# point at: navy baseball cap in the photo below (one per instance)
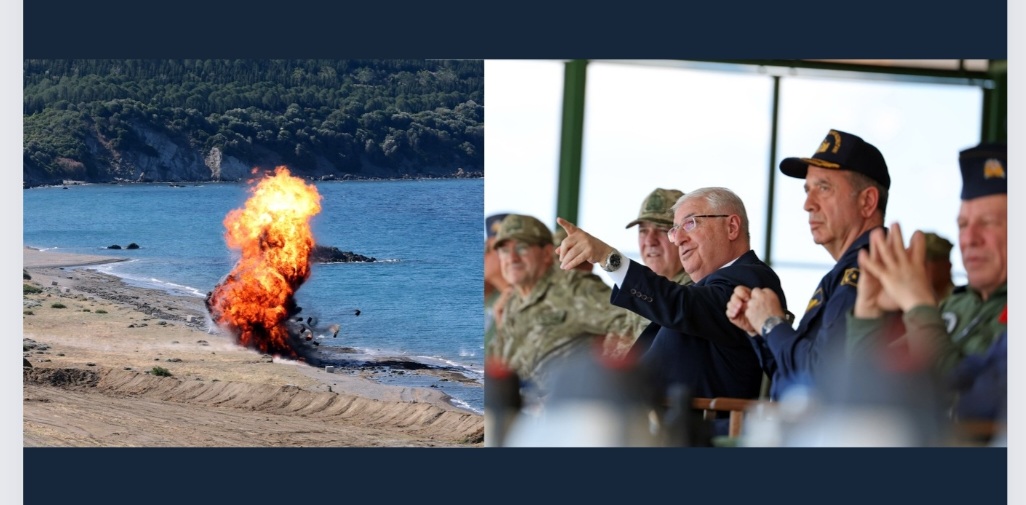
(842, 151)
(984, 170)
(492, 224)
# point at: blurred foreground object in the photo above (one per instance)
(502, 401)
(593, 402)
(861, 403)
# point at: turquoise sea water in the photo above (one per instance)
(421, 300)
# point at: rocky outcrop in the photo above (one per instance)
(167, 159)
(331, 254)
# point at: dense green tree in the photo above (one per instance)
(397, 114)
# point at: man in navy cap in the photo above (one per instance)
(970, 315)
(966, 337)
(495, 284)
(846, 185)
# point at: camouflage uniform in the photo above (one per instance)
(489, 305)
(656, 208)
(562, 312)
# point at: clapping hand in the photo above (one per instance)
(892, 276)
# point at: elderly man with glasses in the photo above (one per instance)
(695, 344)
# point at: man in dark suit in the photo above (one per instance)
(694, 343)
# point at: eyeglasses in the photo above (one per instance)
(508, 248)
(688, 224)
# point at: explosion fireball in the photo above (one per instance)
(272, 232)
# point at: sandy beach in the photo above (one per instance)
(93, 343)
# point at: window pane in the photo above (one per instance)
(523, 117)
(919, 128)
(658, 126)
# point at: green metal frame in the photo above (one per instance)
(995, 104)
(572, 139)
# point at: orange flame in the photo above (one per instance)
(272, 231)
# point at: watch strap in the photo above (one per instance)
(612, 261)
(770, 323)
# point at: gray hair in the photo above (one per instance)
(860, 182)
(721, 200)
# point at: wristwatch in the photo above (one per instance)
(770, 323)
(612, 261)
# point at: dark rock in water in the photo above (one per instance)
(115, 246)
(331, 254)
(133, 245)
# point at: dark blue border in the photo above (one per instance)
(744, 29)
(527, 29)
(791, 476)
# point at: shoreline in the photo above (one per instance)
(344, 178)
(116, 333)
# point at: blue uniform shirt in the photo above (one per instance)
(791, 356)
(982, 381)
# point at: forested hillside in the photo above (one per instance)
(192, 120)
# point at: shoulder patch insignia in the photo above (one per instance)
(817, 298)
(950, 320)
(850, 277)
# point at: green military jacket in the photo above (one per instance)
(963, 325)
(971, 322)
(565, 308)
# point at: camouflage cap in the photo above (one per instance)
(657, 207)
(523, 228)
(937, 247)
